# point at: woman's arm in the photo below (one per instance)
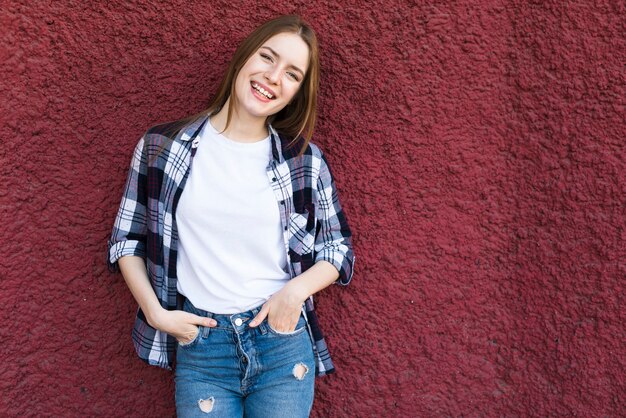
(180, 324)
(321, 275)
(286, 304)
(126, 250)
(334, 259)
(133, 270)
(129, 230)
(333, 242)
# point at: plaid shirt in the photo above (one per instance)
(314, 226)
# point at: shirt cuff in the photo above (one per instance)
(120, 249)
(342, 263)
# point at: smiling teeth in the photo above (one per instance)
(262, 91)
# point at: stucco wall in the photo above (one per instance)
(478, 149)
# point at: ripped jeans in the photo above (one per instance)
(232, 370)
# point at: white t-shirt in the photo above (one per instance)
(231, 254)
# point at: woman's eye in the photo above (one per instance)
(293, 76)
(265, 56)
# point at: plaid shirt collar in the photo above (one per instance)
(192, 130)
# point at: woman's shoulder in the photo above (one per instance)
(160, 139)
(299, 148)
(163, 132)
(162, 129)
(170, 131)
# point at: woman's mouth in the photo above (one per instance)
(261, 92)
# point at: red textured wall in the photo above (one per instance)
(478, 148)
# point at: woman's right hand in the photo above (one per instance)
(181, 325)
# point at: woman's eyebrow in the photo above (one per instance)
(278, 56)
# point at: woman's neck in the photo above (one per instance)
(242, 128)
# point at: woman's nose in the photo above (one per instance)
(273, 75)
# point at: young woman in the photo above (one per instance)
(229, 223)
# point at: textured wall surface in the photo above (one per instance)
(479, 152)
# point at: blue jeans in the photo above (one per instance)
(232, 370)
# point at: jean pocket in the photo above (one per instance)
(192, 342)
(300, 328)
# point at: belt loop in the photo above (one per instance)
(206, 330)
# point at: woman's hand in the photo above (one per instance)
(181, 325)
(282, 309)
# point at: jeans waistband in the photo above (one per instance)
(222, 319)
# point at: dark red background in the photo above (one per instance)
(478, 148)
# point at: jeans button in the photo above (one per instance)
(238, 322)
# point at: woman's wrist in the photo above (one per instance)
(321, 275)
(155, 316)
(298, 289)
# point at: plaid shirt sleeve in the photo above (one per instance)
(333, 242)
(129, 230)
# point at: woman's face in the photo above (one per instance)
(272, 75)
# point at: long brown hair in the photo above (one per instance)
(295, 120)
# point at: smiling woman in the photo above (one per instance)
(270, 78)
(223, 259)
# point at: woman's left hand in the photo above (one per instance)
(282, 309)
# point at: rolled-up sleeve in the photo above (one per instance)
(333, 241)
(129, 231)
